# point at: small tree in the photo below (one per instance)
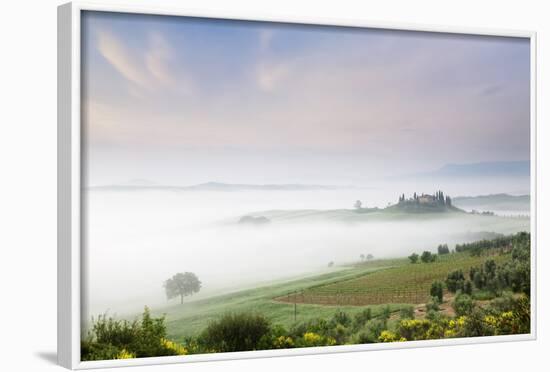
(182, 285)
(443, 249)
(455, 281)
(369, 257)
(463, 304)
(331, 263)
(357, 204)
(468, 287)
(414, 258)
(427, 257)
(437, 290)
(362, 256)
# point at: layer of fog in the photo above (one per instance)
(134, 240)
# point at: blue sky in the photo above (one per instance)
(181, 100)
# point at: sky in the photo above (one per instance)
(180, 101)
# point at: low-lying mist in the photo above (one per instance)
(135, 240)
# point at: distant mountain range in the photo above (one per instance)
(484, 169)
(495, 202)
(219, 186)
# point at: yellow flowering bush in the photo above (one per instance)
(455, 327)
(124, 354)
(314, 339)
(504, 323)
(389, 336)
(178, 349)
(415, 329)
(283, 342)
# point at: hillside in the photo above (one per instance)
(495, 203)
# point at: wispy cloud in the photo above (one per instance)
(278, 89)
(121, 58)
(271, 75)
(150, 69)
(265, 37)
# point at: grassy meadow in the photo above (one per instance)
(395, 282)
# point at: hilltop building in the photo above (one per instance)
(438, 198)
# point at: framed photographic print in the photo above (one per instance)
(234, 186)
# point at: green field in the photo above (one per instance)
(386, 281)
(192, 317)
(405, 283)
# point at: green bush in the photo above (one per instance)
(436, 290)
(428, 257)
(386, 312)
(342, 318)
(414, 258)
(235, 332)
(362, 317)
(455, 281)
(110, 338)
(370, 332)
(468, 287)
(433, 304)
(406, 312)
(463, 304)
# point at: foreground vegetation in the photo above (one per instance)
(484, 292)
(402, 284)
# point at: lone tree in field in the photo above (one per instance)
(369, 257)
(357, 204)
(182, 285)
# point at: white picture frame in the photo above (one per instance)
(69, 183)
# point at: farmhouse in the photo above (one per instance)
(426, 199)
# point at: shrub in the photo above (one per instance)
(341, 317)
(463, 304)
(468, 287)
(414, 258)
(362, 318)
(339, 334)
(313, 339)
(475, 325)
(509, 315)
(110, 338)
(235, 332)
(389, 336)
(414, 329)
(386, 312)
(433, 304)
(406, 312)
(455, 281)
(427, 257)
(283, 342)
(433, 315)
(319, 325)
(437, 291)
(370, 332)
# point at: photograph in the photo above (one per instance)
(251, 185)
